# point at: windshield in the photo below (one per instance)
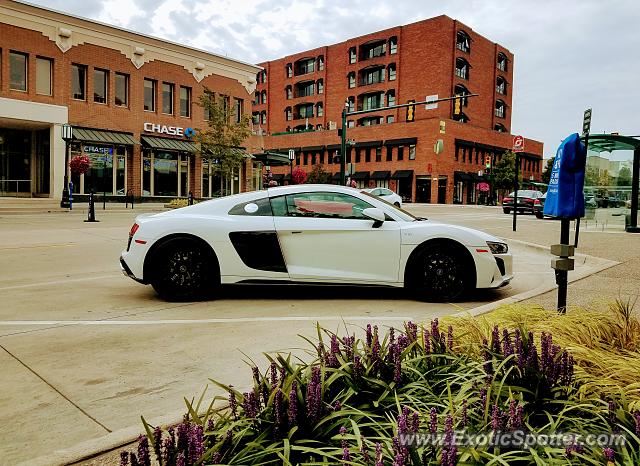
(525, 193)
(403, 214)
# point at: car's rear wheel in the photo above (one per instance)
(506, 211)
(441, 272)
(183, 269)
(539, 214)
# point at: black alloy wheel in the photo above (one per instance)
(442, 273)
(184, 270)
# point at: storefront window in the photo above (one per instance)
(120, 170)
(165, 174)
(214, 185)
(146, 174)
(99, 178)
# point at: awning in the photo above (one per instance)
(103, 137)
(311, 148)
(360, 176)
(369, 144)
(611, 142)
(169, 144)
(381, 175)
(402, 174)
(461, 176)
(400, 142)
(272, 158)
(333, 147)
(476, 177)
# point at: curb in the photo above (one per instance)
(117, 439)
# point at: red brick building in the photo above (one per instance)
(131, 100)
(440, 155)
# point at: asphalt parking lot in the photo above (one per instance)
(85, 351)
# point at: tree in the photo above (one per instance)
(548, 168)
(224, 134)
(624, 177)
(504, 171)
(299, 176)
(318, 175)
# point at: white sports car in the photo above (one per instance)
(312, 234)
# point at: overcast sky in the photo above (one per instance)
(569, 54)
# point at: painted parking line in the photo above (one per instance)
(59, 282)
(33, 246)
(16, 323)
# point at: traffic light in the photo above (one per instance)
(457, 106)
(411, 111)
(487, 161)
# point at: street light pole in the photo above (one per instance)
(343, 144)
(67, 135)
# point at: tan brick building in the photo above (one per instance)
(438, 157)
(131, 100)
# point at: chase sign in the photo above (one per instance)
(169, 130)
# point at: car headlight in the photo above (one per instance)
(498, 248)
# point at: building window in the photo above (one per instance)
(305, 89)
(459, 89)
(412, 152)
(319, 110)
(305, 66)
(185, 101)
(372, 101)
(372, 76)
(373, 50)
(256, 118)
(225, 105)
(370, 121)
(352, 55)
(500, 128)
(351, 124)
(18, 71)
(392, 71)
(100, 85)
(501, 85)
(238, 104)
(149, 95)
(122, 89)
(263, 118)
(462, 68)
(256, 98)
(393, 45)
(352, 80)
(320, 86)
(391, 119)
(289, 92)
(391, 98)
(400, 153)
(209, 97)
(288, 114)
(304, 111)
(502, 61)
(463, 41)
(320, 63)
(500, 108)
(378, 154)
(351, 104)
(389, 153)
(78, 82)
(263, 96)
(289, 70)
(461, 117)
(167, 98)
(44, 66)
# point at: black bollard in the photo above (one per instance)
(92, 210)
(190, 198)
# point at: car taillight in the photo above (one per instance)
(132, 232)
(536, 202)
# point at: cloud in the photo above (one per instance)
(569, 55)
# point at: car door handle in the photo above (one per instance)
(296, 232)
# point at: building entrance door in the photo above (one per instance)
(423, 189)
(42, 162)
(442, 190)
(15, 162)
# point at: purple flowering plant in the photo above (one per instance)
(353, 400)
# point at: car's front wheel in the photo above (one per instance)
(539, 214)
(183, 270)
(441, 272)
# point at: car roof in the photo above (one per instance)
(305, 188)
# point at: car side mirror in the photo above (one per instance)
(374, 214)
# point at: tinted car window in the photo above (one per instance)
(264, 208)
(325, 205)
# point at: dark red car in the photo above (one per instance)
(526, 200)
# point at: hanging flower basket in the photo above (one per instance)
(484, 187)
(80, 164)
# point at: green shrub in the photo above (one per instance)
(356, 398)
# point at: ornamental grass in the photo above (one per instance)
(352, 401)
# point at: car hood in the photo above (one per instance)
(417, 232)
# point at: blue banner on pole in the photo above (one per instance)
(565, 197)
